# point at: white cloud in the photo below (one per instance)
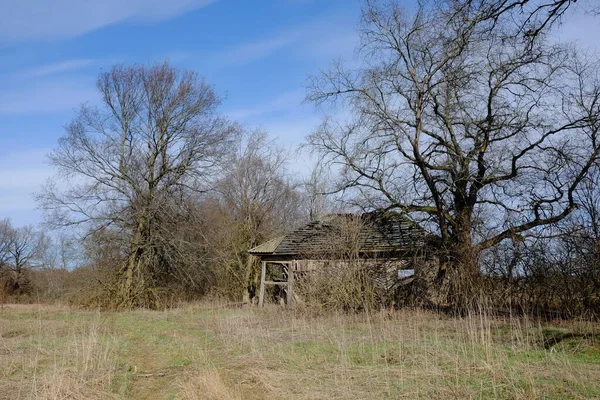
(55, 68)
(24, 168)
(339, 44)
(581, 28)
(25, 20)
(22, 174)
(287, 101)
(46, 96)
(331, 36)
(292, 130)
(255, 50)
(284, 118)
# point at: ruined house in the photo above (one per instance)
(394, 250)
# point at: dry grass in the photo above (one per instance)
(208, 351)
(207, 385)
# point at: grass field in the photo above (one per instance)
(207, 351)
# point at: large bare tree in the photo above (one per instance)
(126, 165)
(462, 125)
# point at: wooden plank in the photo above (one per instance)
(276, 283)
(263, 273)
(290, 284)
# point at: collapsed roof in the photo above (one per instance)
(376, 232)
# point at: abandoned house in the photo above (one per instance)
(391, 248)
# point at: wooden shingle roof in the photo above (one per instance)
(367, 233)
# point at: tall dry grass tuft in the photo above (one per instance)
(60, 360)
(207, 385)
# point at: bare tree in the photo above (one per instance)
(261, 200)
(316, 190)
(21, 249)
(256, 188)
(532, 18)
(26, 249)
(64, 253)
(580, 239)
(460, 125)
(126, 165)
(5, 233)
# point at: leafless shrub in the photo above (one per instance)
(337, 277)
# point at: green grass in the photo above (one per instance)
(207, 351)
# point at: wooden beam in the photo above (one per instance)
(290, 284)
(261, 295)
(276, 283)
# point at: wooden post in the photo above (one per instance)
(263, 274)
(290, 284)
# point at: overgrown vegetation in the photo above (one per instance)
(460, 115)
(211, 351)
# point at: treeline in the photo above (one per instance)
(160, 196)
(556, 271)
(461, 115)
(197, 241)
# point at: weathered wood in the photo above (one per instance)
(290, 284)
(380, 234)
(282, 283)
(263, 274)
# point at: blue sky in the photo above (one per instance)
(258, 55)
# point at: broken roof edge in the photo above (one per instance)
(267, 247)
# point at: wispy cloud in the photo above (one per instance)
(292, 130)
(255, 50)
(23, 169)
(582, 28)
(26, 20)
(284, 102)
(284, 117)
(54, 68)
(46, 96)
(330, 36)
(336, 45)
(21, 174)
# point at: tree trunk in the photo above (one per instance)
(131, 285)
(458, 278)
(250, 289)
(132, 290)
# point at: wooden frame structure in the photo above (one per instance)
(289, 270)
(382, 238)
